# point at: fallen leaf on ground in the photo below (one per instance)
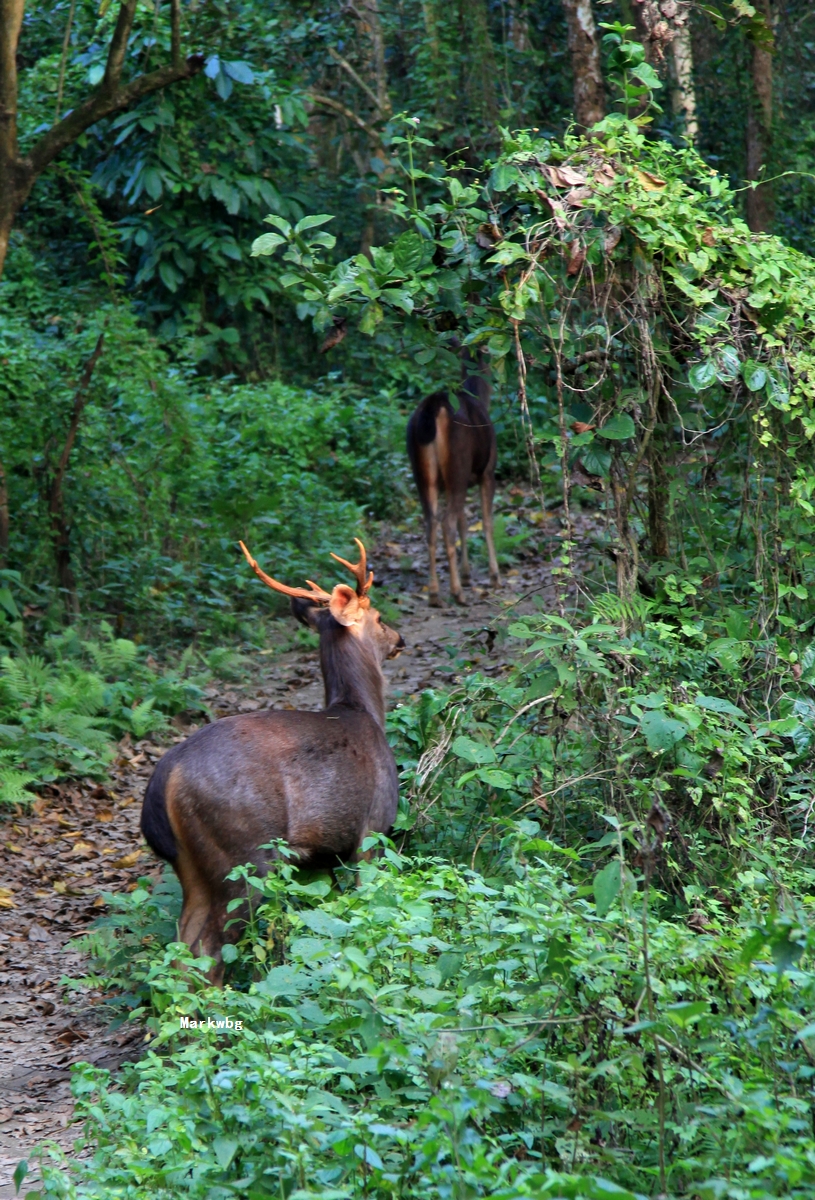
(128, 860)
(6, 898)
(83, 850)
(69, 1036)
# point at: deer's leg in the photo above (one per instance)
(431, 519)
(462, 533)
(487, 494)
(201, 925)
(449, 523)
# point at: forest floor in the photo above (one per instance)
(79, 840)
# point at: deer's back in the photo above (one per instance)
(453, 443)
(318, 780)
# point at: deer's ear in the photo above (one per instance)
(344, 605)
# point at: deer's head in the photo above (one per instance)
(342, 609)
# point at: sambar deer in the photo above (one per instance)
(450, 450)
(320, 780)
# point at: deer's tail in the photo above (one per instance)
(421, 430)
(155, 823)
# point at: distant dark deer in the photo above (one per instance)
(450, 450)
(320, 780)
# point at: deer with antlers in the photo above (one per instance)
(322, 781)
(450, 450)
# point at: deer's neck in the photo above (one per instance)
(352, 675)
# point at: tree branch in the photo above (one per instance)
(80, 400)
(118, 46)
(175, 31)
(346, 66)
(335, 105)
(102, 105)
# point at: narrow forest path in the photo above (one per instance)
(80, 840)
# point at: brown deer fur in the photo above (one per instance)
(320, 780)
(450, 450)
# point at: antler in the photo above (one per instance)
(316, 594)
(359, 570)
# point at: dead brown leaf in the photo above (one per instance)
(69, 1036)
(128, 860)
(577, 257)
(604, 175)
(6, 898)
(83, 850)
(651, 183)
(564, 176)
(577, 195)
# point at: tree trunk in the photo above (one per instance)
(658, 483)
(759, 130)
(518, 26)
(589, 92)
(683, 92)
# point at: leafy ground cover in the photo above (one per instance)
(62, 710)
(584, 966)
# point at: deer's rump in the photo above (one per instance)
(443, 442)
(318, 780)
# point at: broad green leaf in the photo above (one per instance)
(503, 177)
(471, 751)
(497, 778)
(686, 1012)
(267, 243)
(409, 252)
(620, 427)
(661, 731)
(719, 705)
(241, 72)
(284, 981)
(279, 223)
(785, 952)
(225, 1149)
(229, 953)
(702, 375)
(324, 923)
(371, 316)
(313, 221)
(7, 602)
(607, 885)
(754, 375)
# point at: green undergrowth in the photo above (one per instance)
(168, 471)
(63, 708)
(584, 964)
(438, 1032)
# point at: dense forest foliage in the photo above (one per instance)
(238, 243)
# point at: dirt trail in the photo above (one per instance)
(78, 841)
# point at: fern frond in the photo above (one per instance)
(13, 789)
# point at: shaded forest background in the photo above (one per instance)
(242, 241)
